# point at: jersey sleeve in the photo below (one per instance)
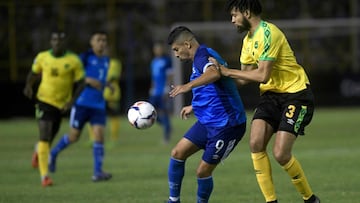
(201, 60)
(36, 66)
(78, 69)
(271, 44)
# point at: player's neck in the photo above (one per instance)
(255, 22)
(57, 53)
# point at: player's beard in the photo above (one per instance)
(245, 26)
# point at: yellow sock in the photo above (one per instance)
(262, 168)
(43, 156)
(91, 133)
(114, 127)
(293, 168)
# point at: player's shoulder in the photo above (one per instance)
(271, 27)
(44, 53)
(72, 55)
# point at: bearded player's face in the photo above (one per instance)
(239, 20)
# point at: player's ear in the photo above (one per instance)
(187, 44)
(247, 13)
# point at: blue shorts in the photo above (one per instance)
(217, 143)
(80, 115)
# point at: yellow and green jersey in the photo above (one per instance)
(58, 74)
(268, 43)
(113, 75)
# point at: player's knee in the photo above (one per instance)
(201, 173)
(281, 157)
(45, 138)
(256, 146)
(204, 170)
(176, 154)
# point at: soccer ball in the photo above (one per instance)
(142, 115)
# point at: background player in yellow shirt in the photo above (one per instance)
(59, 71)
(286, 103)
(112, 96)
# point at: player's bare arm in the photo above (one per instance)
(248, 72)
(210, 75)
(30, 81)
(94, 83)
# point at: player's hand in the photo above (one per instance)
(179, 89)
(223, 71)
(28, 92)
(185, 112)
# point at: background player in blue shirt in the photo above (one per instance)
(90, 106)
(161, 71)
(218, 107)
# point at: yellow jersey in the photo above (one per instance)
(269, 43)
(58, 74)
(113, 75)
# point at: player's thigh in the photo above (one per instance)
(183, 149)
(194, 140)
(49, 119)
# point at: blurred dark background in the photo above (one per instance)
(323, 34)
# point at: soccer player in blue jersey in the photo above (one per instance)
(90, 106)
(216, 103)
(161, 71)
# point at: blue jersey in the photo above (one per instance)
(216, 104)
(159, 67)
(96, 68)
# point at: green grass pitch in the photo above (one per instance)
(329, 154)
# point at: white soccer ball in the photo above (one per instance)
(142, 115)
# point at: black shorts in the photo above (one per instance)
(44, 111)
(289, 112)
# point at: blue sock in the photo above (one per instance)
(167, 127)
(205, 187)
(164, 121)
(61, 145)
(98, 154)
(175, 174)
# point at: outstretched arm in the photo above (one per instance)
(210, 75)
(248, 73)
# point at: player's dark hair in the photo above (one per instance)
(176, 32)
(253, 5)
(101, 32)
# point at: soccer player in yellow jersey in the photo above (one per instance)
(59, 70)
(286, 103)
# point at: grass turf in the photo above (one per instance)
(328, 153)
